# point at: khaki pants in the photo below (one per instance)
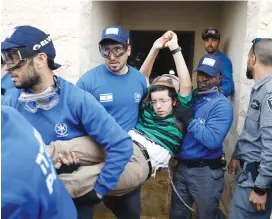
(91, 157)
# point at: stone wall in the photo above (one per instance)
(59, 18)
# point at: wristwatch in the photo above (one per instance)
(176, 50)
(260, 190)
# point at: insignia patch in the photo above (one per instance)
(255, 104)
(269, 103)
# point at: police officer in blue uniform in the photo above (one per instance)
(30, 187)
(253, 194)
(61, 111)
(211, 38)
(120, 89)
(199, 177)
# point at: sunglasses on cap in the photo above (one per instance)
(117, 50)
(16, 57)
(210, 33)
(254, 42)
(12, 59)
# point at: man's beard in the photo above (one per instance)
(249, 73)
(33, 80)
(212, 50)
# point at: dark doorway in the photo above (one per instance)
(142, 41)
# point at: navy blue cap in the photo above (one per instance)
(35, 39)
(211, 65)
(115, 33)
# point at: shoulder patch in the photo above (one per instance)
(269, 103)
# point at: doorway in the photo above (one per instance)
(142, 41)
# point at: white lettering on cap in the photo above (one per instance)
(42, 43)
(112, 30)
(208, 61)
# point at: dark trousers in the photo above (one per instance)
(127, 206)
(84, 211)
(201, 185)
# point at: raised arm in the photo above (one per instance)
(185, 83)
(147, 66)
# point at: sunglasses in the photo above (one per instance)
(255, 41)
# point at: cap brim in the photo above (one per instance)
(208, 70)
(56, 66)
(114, 38)
(8, 45)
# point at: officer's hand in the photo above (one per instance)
(233, 167)
(66, 158)
(184, 114)
(258, 201)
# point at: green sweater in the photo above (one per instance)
(162, 130)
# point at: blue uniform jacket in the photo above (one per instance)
(213, 116)
(30, 187)
(79, 114)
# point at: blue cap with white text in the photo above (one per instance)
(32, 39)
(115, 33)
(211, 65)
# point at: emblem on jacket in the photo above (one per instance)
(137, 97)
(61, 129)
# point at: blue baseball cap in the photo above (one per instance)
(115, 33)
(211, 65)
(32, 41)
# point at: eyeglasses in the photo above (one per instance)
(117, 50)
(255, 41)
(162, 102)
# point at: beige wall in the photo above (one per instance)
(59, 18)
(182, 16)
(103, 14)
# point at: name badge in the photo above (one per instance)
(106, 98)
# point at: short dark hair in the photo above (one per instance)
(263, 51)
(171, 90)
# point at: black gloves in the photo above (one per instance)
(184, 114)
(90, 197)
(67, 168)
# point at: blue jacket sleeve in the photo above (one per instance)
(107, 133)
(227, 84)
(32, 190)
(213, 132)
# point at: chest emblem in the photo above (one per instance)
(137, 97)
(105, 98)
(61, 129)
